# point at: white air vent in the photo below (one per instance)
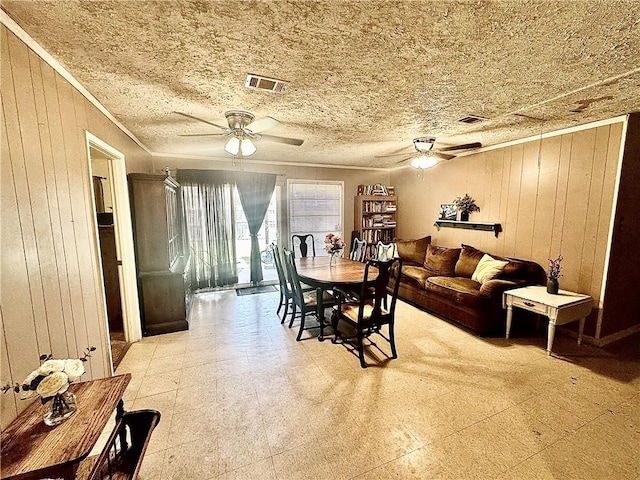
(264, 83)
(472, 119)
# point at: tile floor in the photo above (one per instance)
(241, 399)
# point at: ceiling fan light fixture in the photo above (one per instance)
(232, 146)
(247, 147)
(423, 162)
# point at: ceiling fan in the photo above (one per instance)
(242, 129)
(426, 156)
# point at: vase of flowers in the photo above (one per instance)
(554, 275)
(333, 245)
(466, 205)
(50, 381)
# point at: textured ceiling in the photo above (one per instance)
(365, 77)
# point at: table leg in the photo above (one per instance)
(509, 319)
(550, 335)
(320, 295)
(581, 330)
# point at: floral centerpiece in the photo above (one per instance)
(50, 381)
(333, 245)
(554, 274)
(466, 205)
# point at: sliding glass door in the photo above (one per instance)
(268, 233)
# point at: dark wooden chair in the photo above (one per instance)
(306, 302)
(123, 452)
(368, 314)
(358, 250)
(285, 287)
(386, 251)
(305, 244)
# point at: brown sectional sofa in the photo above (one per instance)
(439, 279)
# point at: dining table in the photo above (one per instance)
(324, 274)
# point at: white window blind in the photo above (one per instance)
(315, 207)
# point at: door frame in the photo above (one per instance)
(123, 230)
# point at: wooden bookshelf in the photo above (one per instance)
(375, 218)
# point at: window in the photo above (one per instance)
(315, 207)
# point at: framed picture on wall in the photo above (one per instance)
(448, 211)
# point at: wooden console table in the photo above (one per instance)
(32, 450)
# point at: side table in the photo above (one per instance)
(565, 307)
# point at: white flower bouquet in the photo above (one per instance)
(51, 378)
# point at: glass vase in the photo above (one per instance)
(332, 259)
(61, 407)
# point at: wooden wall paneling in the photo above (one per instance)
(560, 206)
(97, 330)
(576, 208)
(19, 342)
(528, 193)
(510, 227)
(69, 142)
(62, 221)
(43, 196)
(8, 405)
(545, 199)
(25, 154)
(78, 175)
(504, 197)
(599, 161)
(606, 205)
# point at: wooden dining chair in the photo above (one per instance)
(358, 250)
(368, 315)
(305, 245)
(285, 287)
(304, 302)
(386, 251)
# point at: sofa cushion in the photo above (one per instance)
(468, 261)
(450, 285)
(413, 250)
(513, 270)
(418, 275)
(488, 268)
(441, 260)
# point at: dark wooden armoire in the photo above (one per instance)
(161, 259)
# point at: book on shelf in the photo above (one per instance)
(377, 189)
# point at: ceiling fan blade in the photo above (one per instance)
(201, 120)
(466, 146)
(406, 157)
(289, 141)
(444, 156)
(263, 124)
(202, 134)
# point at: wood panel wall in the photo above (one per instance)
(51, 299)
(552, 197)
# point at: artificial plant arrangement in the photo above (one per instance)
(466, 205)
(554, 274)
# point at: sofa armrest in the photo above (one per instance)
(496, 287)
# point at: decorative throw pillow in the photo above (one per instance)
(413, 250)
(468, 261)
(441, 261)
(488, 268)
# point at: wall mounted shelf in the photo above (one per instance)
(496, 228)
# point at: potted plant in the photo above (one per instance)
(466, 205)
(554, 274)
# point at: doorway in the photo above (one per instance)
(115, 246)
(269, 232)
